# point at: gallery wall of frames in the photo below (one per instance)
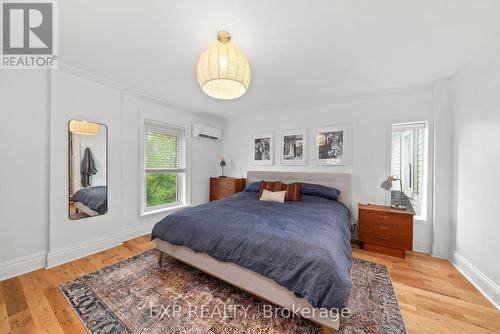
(331, 147)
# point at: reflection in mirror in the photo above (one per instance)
(87, 166)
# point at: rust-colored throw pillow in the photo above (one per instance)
(270, 186)
(292, 191)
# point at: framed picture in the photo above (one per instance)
(262, 150)
(332, 145)
(293, 147)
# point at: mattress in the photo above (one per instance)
(303, 246)
(96, 198)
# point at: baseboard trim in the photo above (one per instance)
(486, 286)
(28, 263)
(88, 248)
(21, 265)
(59, 257)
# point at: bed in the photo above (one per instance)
(295, 255)
(93, 201)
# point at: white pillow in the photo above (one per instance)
(273, 196)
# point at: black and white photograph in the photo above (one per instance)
(332, 145)
(293, 147)
(262, 149)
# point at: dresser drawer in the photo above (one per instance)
(216, 194)
(388, 218)
(386, 225)
(222, 182)
(386, 240)
(220, 193)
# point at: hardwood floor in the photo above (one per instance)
(434, 297)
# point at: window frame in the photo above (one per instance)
(181, 179)
(427, 197)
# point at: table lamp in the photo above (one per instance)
(388, 184)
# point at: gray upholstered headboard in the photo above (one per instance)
(341, 181)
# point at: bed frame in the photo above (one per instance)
(85, 209)
(251, 281)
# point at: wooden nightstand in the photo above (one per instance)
(385, 230)
(221, 187)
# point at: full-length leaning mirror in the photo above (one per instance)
(87, 167)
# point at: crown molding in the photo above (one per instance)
(130, 91)
(318, 101)
(89, 76)
(328, 100)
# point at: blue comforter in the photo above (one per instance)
(95, 198)
(303, 246)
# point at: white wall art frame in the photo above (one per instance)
(333, 145)
(293, 147)
(262, 149)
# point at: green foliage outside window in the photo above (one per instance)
(161, 189)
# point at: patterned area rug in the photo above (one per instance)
(138, 296)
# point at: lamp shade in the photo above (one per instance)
(83, 127)
(223, 70)
(387, 184)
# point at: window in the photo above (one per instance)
(164, 166)
(409, 162)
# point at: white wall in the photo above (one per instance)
(73, 97)
(24, 168)
(370, 121)
(27, 240)
(443, 167)
(477, 160)
(77, 97)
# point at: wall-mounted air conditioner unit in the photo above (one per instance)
(206, 132)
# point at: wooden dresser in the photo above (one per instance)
(385, 230)
(221, 187)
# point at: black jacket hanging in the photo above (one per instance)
(87, 168)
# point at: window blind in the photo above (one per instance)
(164, 148)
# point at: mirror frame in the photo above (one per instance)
(69, 168)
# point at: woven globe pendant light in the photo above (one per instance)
(223, 70)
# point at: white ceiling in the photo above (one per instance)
(298, 50)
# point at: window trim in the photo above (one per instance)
(170, 209)
(183, 194)
(428, 166)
